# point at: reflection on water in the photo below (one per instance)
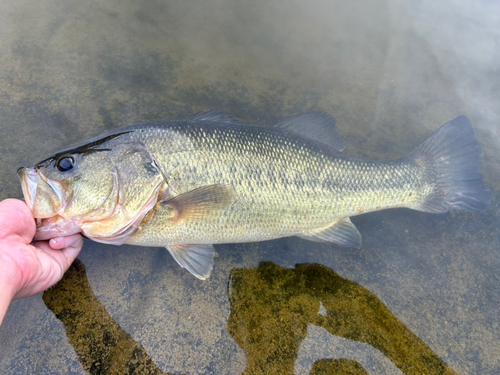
(271, 308)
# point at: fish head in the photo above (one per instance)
(103, 191)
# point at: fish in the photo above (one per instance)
(189, 184)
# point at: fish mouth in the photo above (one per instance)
(55, 227)
(44, 197)
(29, 181)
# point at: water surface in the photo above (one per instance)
(389, 73)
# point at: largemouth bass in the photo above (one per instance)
(189, 184)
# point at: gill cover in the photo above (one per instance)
(137, 184)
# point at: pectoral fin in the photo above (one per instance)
(200, 203)
(197, 259)
(342, 232)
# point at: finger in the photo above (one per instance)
(69, 246)
(16, 218)
(65, 251)
(50, 266)
(74, 241)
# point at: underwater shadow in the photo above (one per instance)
(271, 307)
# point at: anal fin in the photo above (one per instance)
(197, 259)
(342, 232)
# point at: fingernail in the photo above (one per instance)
(55, 241)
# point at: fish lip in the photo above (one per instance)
(30, 177)
(29, 181)
(51, 228)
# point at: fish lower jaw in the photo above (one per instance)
(54, 227)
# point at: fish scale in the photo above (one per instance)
(291, 184)
(189, 184)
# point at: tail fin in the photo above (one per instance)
(451, 156)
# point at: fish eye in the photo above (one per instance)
(65, 164)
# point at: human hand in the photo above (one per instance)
(28, 268)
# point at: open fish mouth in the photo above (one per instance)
(45, 199)
(29, 181)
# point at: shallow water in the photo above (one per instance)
(421, 296)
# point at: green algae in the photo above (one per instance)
(101, 345)
(271, 308)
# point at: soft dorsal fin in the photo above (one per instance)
(318, 126)
(342, 232)
(213, 115)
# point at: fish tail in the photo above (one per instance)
(451, 157)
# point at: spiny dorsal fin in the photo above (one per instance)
(318, 126)
(200, 203)
(342, 232)
(197, 259)
(213, 115)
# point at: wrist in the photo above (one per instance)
(7, 292)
